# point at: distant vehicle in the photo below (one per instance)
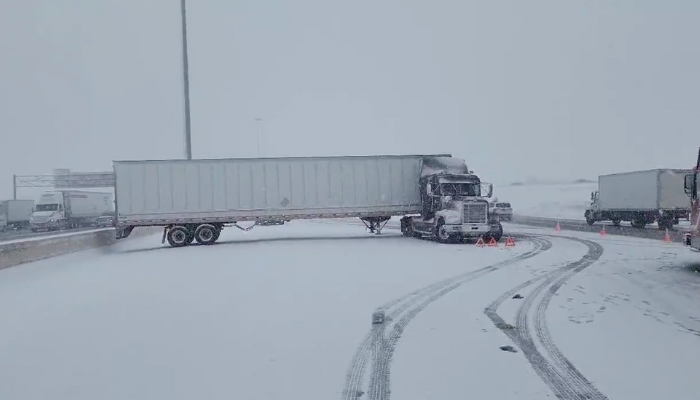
(640, 197)
(437, 195)
(65, 209)
(104, 221)
(502, 209)
(15, 214)
(378, 318)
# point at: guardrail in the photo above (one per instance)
(651, 232)
(21, 252)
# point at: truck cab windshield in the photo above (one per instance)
(460, 189)
(47, 207)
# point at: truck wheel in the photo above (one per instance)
(639, 224)
(178, 236)
(407, 227)
(589, 218)
(441, 235)
(205, 234)
(499, 233)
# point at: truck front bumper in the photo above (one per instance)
(471, 230)
(43, 225)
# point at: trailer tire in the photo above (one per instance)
(178, 236)
(205, 234)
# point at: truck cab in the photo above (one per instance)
(49, 212)
(453, 207)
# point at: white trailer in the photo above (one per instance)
(15, 213)
(641, 197)
(64, 209)
(195, 199)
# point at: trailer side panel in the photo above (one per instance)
(152, 192)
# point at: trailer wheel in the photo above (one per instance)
(178, 236)
(205, 234)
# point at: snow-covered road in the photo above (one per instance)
(285, 312)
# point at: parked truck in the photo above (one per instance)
(640, 197)
(437, 196)
(14, 214)
(67, 209)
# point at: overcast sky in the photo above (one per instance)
(556, 89)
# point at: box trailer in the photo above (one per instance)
(641, 197)
(195, 199)
(66, 209)
(15, 213)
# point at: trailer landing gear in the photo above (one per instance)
(375, 224)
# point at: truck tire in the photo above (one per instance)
(589, 218)
(178, 236)
(407, 227)
(638, 223)
(499, 233)
(441, 235)
(205, 234)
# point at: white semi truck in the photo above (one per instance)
(67, 209)
(641, 197)
(14, 214)
(437, 195)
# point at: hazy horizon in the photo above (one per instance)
(543, 89)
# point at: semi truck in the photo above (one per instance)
(436, 195)
(640, 197)
(68, 209)
(14, 214)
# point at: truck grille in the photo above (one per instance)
(475, 213)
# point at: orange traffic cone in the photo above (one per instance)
(603, 232)
(493, 242)
(510, 242)
(480, 242)
(557, 228)
(667, 237)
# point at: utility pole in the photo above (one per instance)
(186, 81)
(259, 128)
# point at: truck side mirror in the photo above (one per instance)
(592, 196)
(689, 183)
(490, 190)
(429, 188)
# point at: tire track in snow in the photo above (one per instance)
(381, 348)
(557, 372)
